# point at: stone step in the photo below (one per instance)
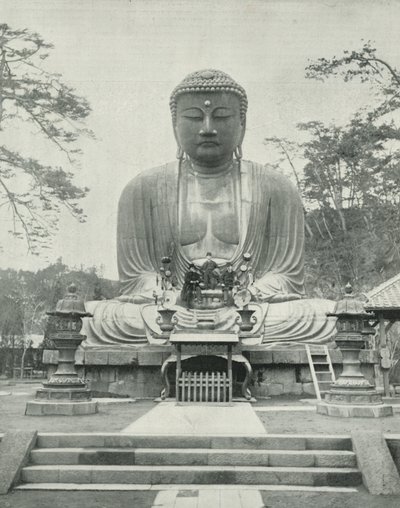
(324, 386)
(245, 475)
(193, 456)
(263, 442)
(324, 376)
(179, 487)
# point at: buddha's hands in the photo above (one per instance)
(136, 299)
(261, 297)
(284, 297)
(144, 291)
(271, 289)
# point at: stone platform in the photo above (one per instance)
(61, 408)
(170, 418)
(54, 400)
(355, 411)
(136, 371)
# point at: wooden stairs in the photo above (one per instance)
(321, 368)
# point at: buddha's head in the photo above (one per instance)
(209, 117)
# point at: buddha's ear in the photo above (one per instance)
(175, 131)
(243, 130)
(180, 154)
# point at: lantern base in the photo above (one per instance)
(353, 396)
(354, 410)
(65, 394)
(67, 401)
(60, 408)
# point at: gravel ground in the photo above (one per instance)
(297, 422)
(112, 417)
(322, 500)
(64, 499)
(117, 415)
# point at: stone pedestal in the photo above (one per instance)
(60, 408)
(355, 411)
(352, 395)
(65, 393)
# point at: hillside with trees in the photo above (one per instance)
(26, 296)
(349, 177)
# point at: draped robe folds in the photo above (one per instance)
(272, 230)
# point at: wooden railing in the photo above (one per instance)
(204, 387)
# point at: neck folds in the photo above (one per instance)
(209, 171)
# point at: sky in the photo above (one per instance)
(125, 57)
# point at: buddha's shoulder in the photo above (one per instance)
(149, 177)
(270, 175)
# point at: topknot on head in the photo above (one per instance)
(208, 80)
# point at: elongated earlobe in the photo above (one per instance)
(238, 152)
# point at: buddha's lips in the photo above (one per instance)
(209, 142)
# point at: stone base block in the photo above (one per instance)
(64, 394)
(343, 396)
(354, 411)
(44, 408)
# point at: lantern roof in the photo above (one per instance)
(71, 304)
(349, 305)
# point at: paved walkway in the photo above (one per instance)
(169, 418)
(213, 498)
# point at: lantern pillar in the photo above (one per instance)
(65, 393)
(352, 395)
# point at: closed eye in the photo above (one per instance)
(222, 113)
(193, 113)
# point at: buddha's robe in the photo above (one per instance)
(266, 219)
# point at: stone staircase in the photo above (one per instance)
(105, 461)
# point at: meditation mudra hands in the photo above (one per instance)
(144, 294)
(147, 296)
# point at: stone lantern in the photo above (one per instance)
(352, 394)
(65, 393)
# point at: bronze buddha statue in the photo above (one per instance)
(210, 199)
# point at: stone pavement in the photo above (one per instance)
(169, 418)
(213, 498)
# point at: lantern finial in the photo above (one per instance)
(348, 289)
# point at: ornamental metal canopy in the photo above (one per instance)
(385, 299)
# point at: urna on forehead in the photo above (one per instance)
(206, 81)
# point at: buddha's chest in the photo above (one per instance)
(209, 214)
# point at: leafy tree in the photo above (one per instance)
(365, 194)
(35, 191)
(367, 66)
(348, 167)
(349, 177)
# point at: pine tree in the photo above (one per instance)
(33, 191)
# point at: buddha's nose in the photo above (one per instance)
(207, 128)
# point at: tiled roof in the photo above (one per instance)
(385, 296)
